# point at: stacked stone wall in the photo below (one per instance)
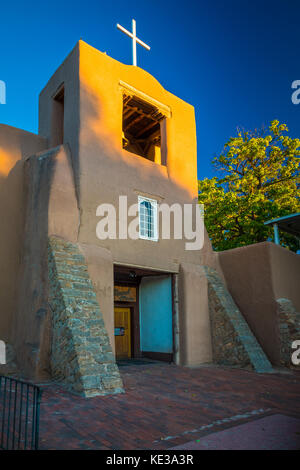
(233, 342)
(81, 355)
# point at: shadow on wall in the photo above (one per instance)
(11, 236)
(15, 145)
(46, 190)
(29, 335)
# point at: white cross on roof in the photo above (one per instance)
(134, 40)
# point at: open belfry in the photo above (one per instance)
(73, 304)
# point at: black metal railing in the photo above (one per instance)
(19, 414)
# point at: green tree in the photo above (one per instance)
(259, 181)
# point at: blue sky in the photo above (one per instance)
(234, 60)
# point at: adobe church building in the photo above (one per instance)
(71, 303)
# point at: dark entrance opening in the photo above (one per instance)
(143, 310)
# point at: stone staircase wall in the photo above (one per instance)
(232, 340)
(81, 356)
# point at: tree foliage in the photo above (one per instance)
(259, 181)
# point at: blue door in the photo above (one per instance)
(156, 327)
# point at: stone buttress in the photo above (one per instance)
(232, 340)
(81, 356)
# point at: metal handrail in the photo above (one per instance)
(19, 414)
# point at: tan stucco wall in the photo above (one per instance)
(103, 171)
(194, 322)
(285, 267)
(51, 209)
(257, 275)
(107, 171)
(15, 145)
(64, 186)
(68, 75)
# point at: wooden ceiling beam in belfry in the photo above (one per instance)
(134, 121)
(153, 139)
(130, 138)
(147, 128)
(129, 112)
(155, 135)
(138, 146)
(157, 118)
(126, 98)
(147, 147)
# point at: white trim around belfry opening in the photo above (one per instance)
(163, 108)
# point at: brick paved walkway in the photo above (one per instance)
(164, 406)
(275, 432)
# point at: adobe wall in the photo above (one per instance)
(107, 170)
(67, 75)
(285, 267)
(103, 170)
(50, 208)
(194, 319)
(256, 276)
(15, 146)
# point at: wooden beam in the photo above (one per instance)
(128, 112)
(154, 135)
(134, 121)
(140, 111)
(142, 131)
(126, 98)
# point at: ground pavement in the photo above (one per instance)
(167, 406)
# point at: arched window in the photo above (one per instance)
(148, 218)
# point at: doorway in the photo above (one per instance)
(123, 332)
(143, 314)
(156, 317)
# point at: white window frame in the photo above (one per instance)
(153, 203)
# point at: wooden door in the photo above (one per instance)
(122, 332)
